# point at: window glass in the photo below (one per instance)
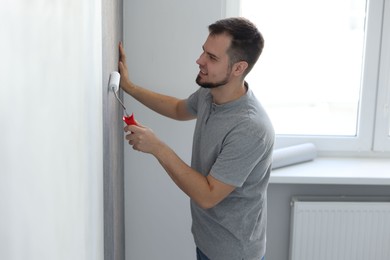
(309, 75)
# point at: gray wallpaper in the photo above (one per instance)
(114, 231)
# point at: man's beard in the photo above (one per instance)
(213, 85)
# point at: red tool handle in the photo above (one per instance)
(129, 120)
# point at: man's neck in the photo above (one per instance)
(228, 93)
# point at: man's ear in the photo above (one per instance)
(240, 67)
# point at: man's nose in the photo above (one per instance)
(200, 60)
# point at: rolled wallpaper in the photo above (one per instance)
(293, 155)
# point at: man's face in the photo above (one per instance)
(214, 62)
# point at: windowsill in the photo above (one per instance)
(337, 171)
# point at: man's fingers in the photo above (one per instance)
(121, 66)
(122, 53)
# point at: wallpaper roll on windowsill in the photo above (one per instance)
(293, 155)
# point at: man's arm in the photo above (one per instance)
(162, 104)
(205, 191)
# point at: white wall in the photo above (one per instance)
(162, 39)
(51, 192)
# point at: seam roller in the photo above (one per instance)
(114, 86)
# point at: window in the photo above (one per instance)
(324, 74)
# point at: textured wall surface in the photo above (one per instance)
(51, 165)
(114, 236)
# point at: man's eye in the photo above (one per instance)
(212, 58)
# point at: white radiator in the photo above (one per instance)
(339, 230)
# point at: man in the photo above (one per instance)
(232, 145)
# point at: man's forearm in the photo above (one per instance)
(198, 187)
(165, 105)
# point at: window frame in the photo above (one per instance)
(373, 122)
(382, 132)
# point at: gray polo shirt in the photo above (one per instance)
(233, 142)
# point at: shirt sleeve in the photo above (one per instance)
(192, 102)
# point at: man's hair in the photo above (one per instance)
(247, 42)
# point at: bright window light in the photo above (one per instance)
(309, 76)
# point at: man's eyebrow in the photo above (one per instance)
(210, 54)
